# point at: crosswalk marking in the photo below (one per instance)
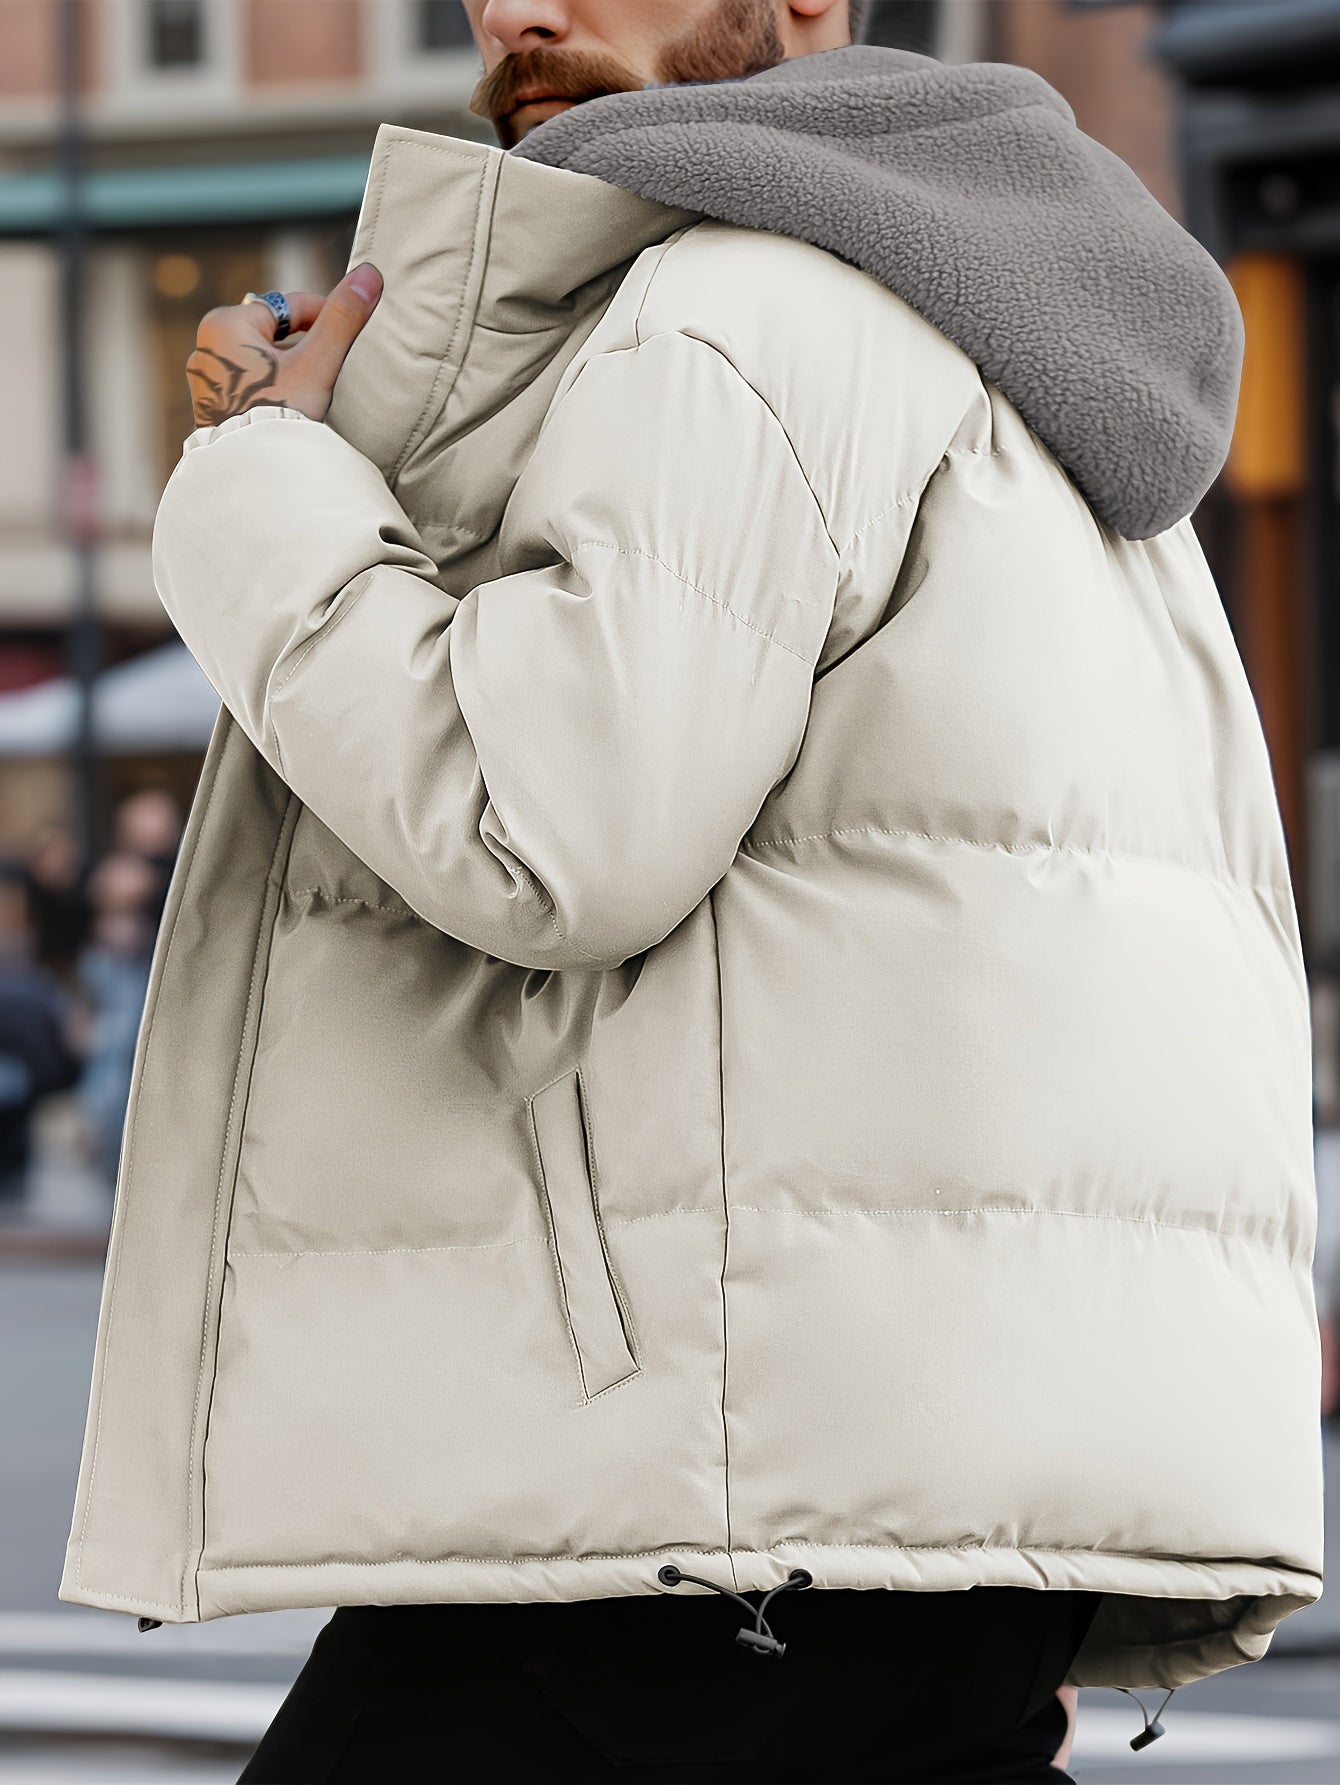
(61, 1702)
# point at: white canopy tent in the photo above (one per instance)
(161, 700)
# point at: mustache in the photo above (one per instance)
(564, 74)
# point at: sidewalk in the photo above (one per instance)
(86, 1700)
(67, 1212)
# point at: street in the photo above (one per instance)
(85, 1699)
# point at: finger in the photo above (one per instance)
(304, 307)
(342, 317)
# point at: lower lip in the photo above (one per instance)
(532, 105)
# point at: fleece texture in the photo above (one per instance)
(971, 192)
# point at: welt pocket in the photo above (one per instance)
(560, 1121)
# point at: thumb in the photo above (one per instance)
(342, 317)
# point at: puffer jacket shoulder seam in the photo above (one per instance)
(683, 235)
(686, 334)
(909, 497)
(659, 250)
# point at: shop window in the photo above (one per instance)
(441, 25)
(902, 25)
(157, 54)
(174, 33)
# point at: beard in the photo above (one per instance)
(732, 39)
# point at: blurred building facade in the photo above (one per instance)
(225, 146)
(1259, 151)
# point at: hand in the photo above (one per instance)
(237, 363)
(1069, 1697)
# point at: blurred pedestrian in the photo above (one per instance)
(113, 972)
(149, 824)
(38, 1053)
(58, 898)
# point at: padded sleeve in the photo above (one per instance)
(557, 767)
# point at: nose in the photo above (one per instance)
(525, 24)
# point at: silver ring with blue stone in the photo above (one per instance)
(278, 303)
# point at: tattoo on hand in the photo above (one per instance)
(226, 387)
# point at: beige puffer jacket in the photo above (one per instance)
(732, 993)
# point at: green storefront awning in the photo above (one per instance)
(147, 197)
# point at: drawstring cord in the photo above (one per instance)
(760, 1638)
(1153, 1729)
(763, 1642)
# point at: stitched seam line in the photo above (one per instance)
(912, 1549)
(533, 887)
(593, 1183)
(241, 1070)
(319, 892)
(725, 1243)
(639, 552)
(1225, 1233)
(781, 427)
(665, 247)
(205, 797)
(551, 1225)
(412, 438)
(324, 631)
(872, 520)
(365, 249)
(524, 1239)
(914, 496)
(133, 1599)
(351, 600)
(546, 905)
(1162, 861)
(748, 1208)
(588, 1144)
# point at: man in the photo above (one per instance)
(733, 981)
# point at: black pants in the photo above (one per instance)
(917, 1687)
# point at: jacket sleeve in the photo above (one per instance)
(558, 766)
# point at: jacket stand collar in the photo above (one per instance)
(490, 264)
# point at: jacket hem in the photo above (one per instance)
(1267, 1592)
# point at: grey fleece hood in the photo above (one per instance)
(970, 191)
